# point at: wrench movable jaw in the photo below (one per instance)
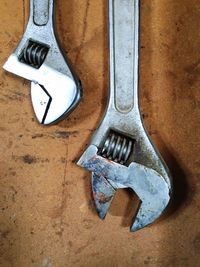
(55, 88)
(103, 193)
(150, 187)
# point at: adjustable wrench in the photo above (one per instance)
(55, 89)
(121, 154)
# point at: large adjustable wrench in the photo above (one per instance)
(121, 154)
(55, 89)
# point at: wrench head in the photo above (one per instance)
(54, 94)
(150, 186)
(55, 89)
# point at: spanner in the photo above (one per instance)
(55, 89)
(121, 154)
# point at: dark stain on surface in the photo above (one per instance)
(148, 260)
(28, 159)
(4, 234)
(192, 72)
(14, 193)
(35, 136)
(62, 160)
(196, 243)
(70, 243)
(63, 134)
(32, 231)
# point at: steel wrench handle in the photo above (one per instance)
(124, 54)
(41, 12)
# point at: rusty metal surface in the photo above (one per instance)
(150, 187)
(47, 218)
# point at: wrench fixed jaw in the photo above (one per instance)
(55, 88)
(52, 103)
(150, 187)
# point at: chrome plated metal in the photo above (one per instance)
(142, 168)
(55, 89)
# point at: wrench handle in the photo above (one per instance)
(124, 54)
(41, 11)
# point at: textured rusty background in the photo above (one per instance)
(47, 217)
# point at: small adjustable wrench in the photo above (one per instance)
(55, 89)
(121, 154)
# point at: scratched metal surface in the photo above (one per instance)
(47, 216)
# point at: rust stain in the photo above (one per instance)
(4, 234)
(102, 198)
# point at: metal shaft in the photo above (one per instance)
(41, 11)
(124, 54)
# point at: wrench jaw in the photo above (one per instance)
(152, 190)
(150, 186)
(103, 193)
(103, 190)
(145, 216)
(54, 100)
